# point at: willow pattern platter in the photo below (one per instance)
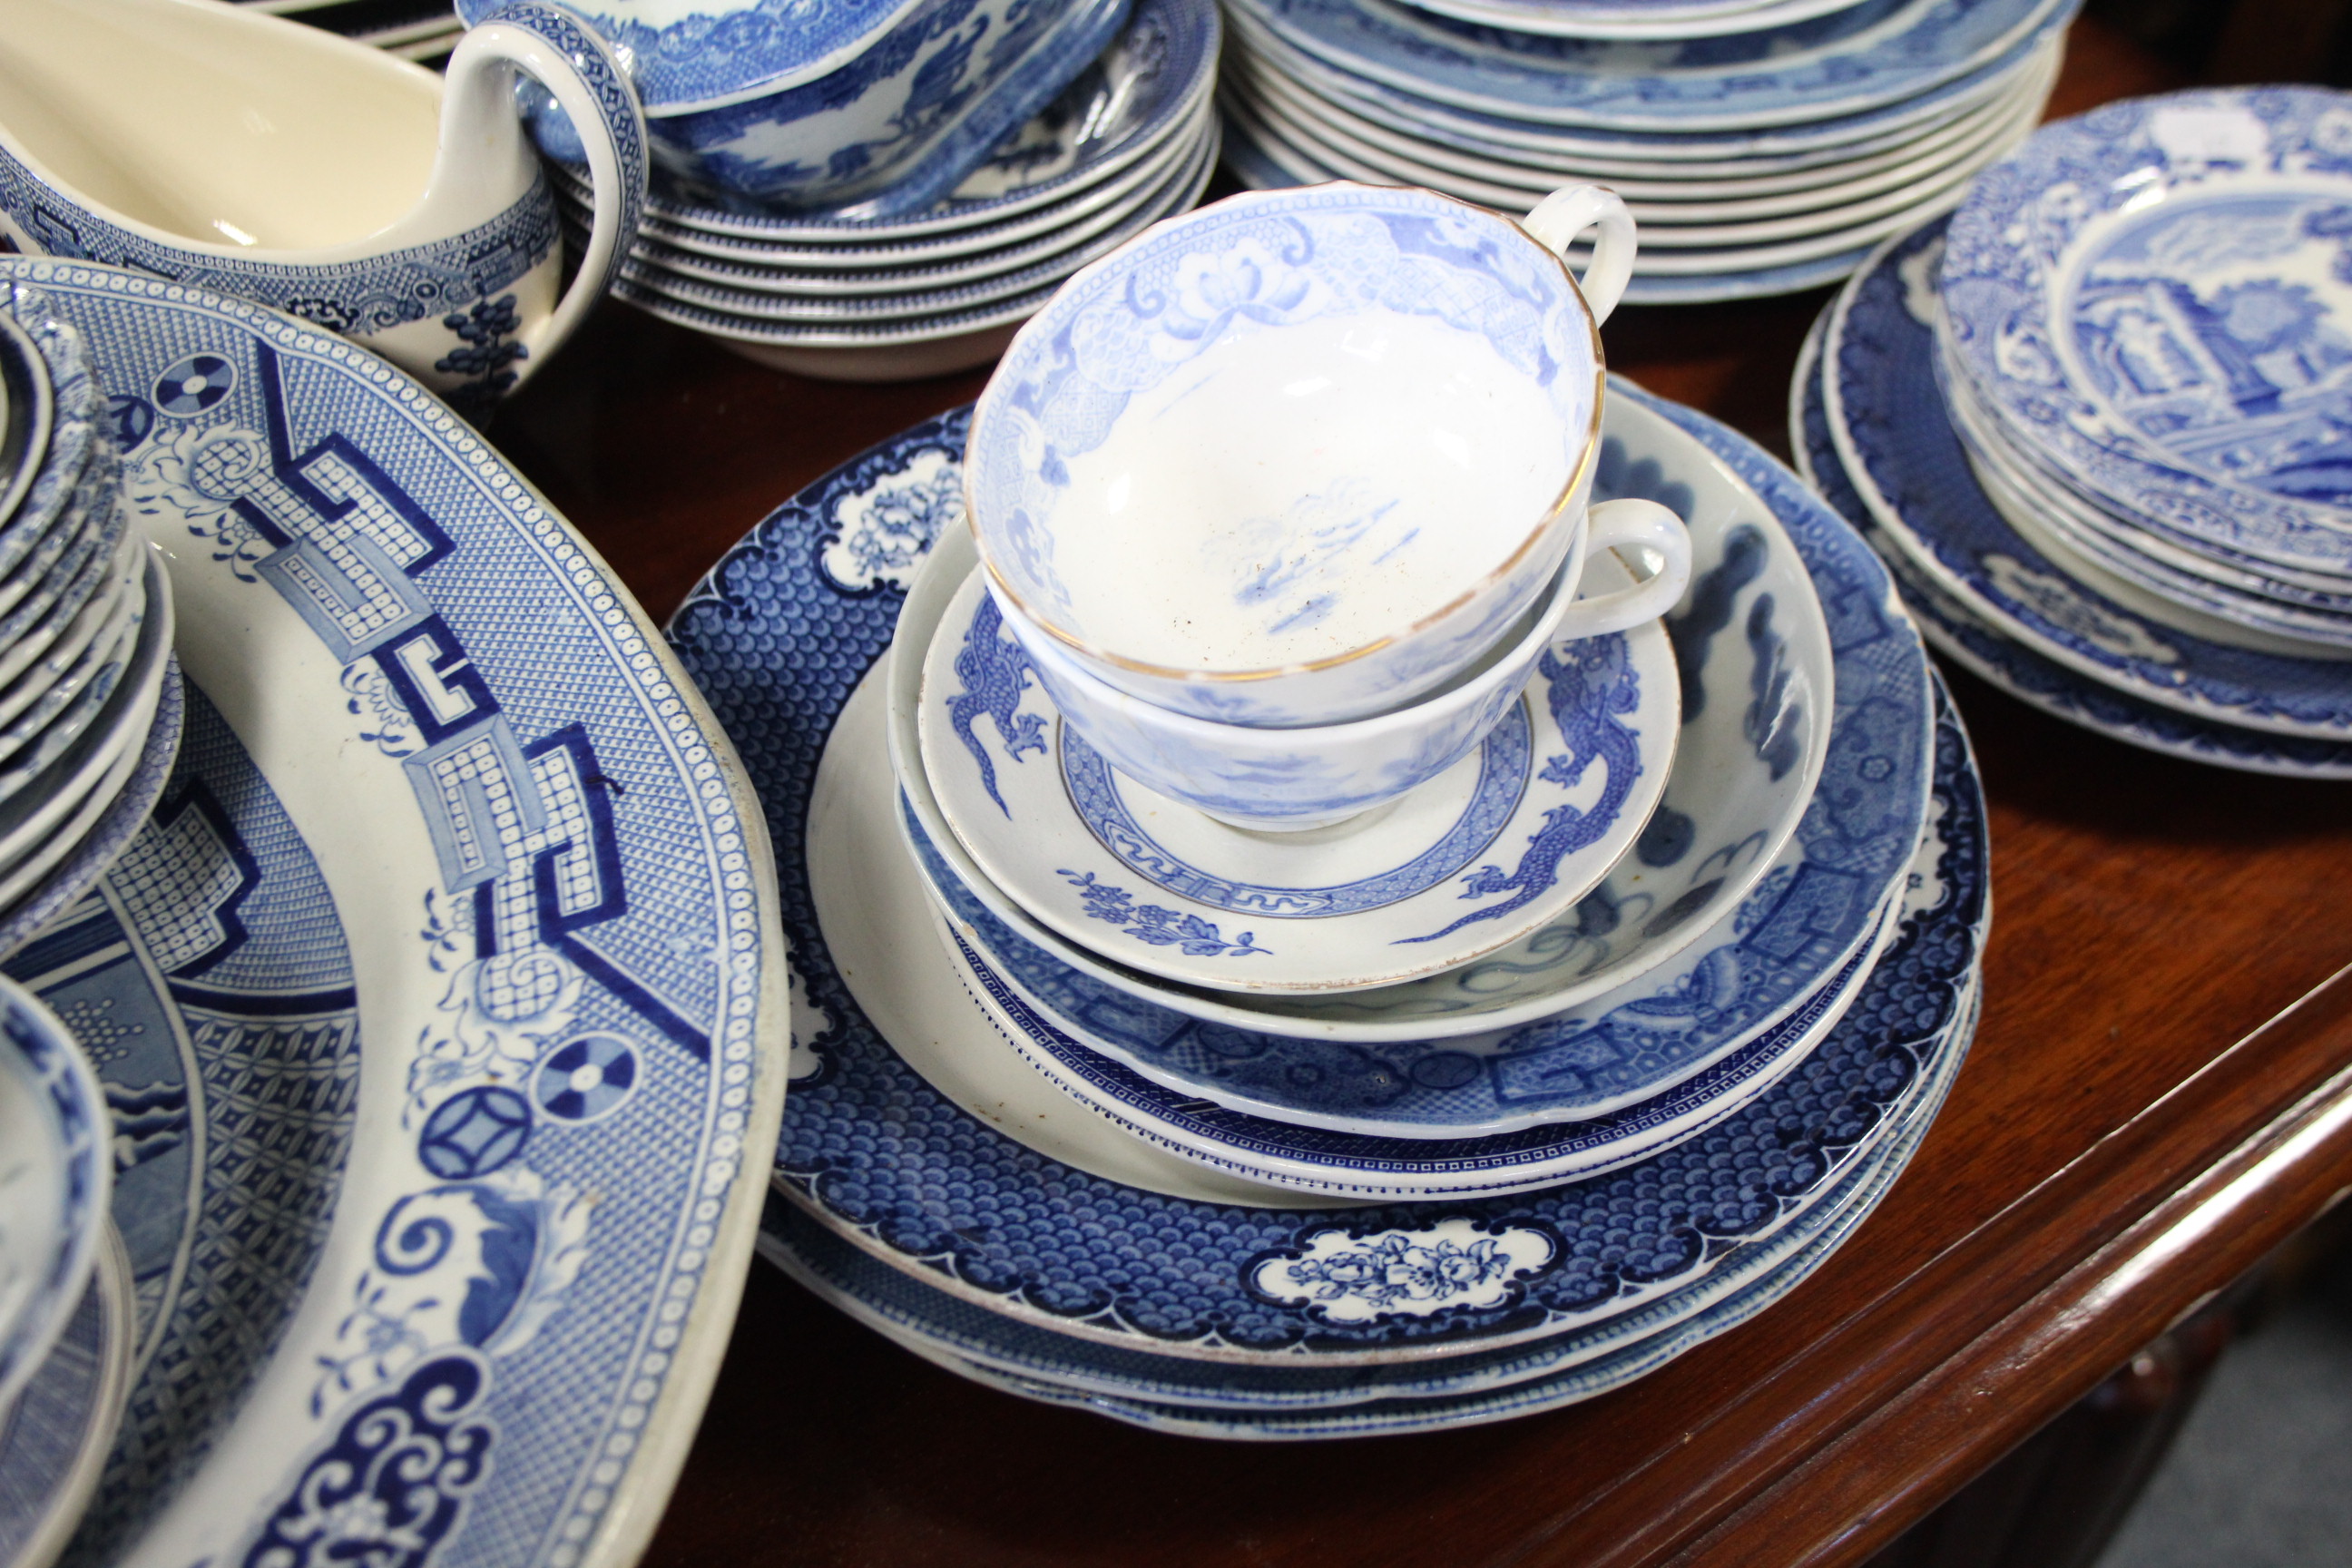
(446, 949)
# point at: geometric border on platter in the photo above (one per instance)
(542, 1302)
(1899, 49)
(2015, 669)
(782, 631)
(1952, 898)
(1895, 439)
(2008, 257)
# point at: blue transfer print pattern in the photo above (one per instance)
(993, 672)
(1350, 1276)
(1159, 927)
(1590, 683)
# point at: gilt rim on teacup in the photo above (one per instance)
(1559, 510)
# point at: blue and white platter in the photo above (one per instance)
(450, 946)
(1876, 53)
(2147, 296)
(56, 1177)
(989, 1174)
(1976, 645)
(1893, 433)
(53, 1441)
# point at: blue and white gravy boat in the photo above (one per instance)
(1302, 456)
(257, 157)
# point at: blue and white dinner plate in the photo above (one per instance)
(27, 410)
(447, 948)
(1893, 432)
(1976, 645)
(1638, 988)
(2146, 296)
(56, 1172)
(1876, 53)
(1385, 1417)
(1633, 19)
(975, 1341)
(54, 1441)
(992, 1187)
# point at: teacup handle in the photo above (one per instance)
(564, 56)
(1642, 525)
(1568, 212)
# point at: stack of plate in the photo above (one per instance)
(1038, 1152)
(2098, 418)
(1131, 141)
(1763, 147)
(85, 618)
(420, 30)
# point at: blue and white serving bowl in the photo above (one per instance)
(57, 1171)
(850, 108)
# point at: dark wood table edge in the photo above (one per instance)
(2179, 1209)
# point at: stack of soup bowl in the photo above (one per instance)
(1473, 989)
(85, 620)
(918, 243)
(2098, 418)
(1765, 147)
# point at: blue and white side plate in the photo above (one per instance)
(994, 1190)
(53, 1442)
(1875, 53)
(2148, 296)
(56, 1174)
(1894, 436)
(447, 948)
(1977, 646)
(1468, 863)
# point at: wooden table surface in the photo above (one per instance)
(2160, 1092)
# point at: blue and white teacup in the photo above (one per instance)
(1301, 456)
(866, 111)
(1289, 780)
(253, 156)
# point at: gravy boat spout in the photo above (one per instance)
(250, 155)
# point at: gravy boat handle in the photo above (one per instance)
(564, 55)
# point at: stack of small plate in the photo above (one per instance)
(1763, 148)
(1131, 141)
(420, 30)
(84, 619)
(1062, 1156)
(2098, 419)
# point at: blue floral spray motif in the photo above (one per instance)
(1159, 927)
(1590, 687)
(1394, 1269)
(994, 673)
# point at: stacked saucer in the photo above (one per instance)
(1764, 148)
(85, 618)
(1130, 141)
(2098, 419)
(1097, 1145)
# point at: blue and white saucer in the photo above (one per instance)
(1967, 639)
(448, 947)
(1468, 863)
(989, 1184)
(1876, 53)
(54, 1441)
(54, 1181)
(1894, 436)
(1637, 988)
(2147, 295)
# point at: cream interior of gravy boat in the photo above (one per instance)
(217, 127)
